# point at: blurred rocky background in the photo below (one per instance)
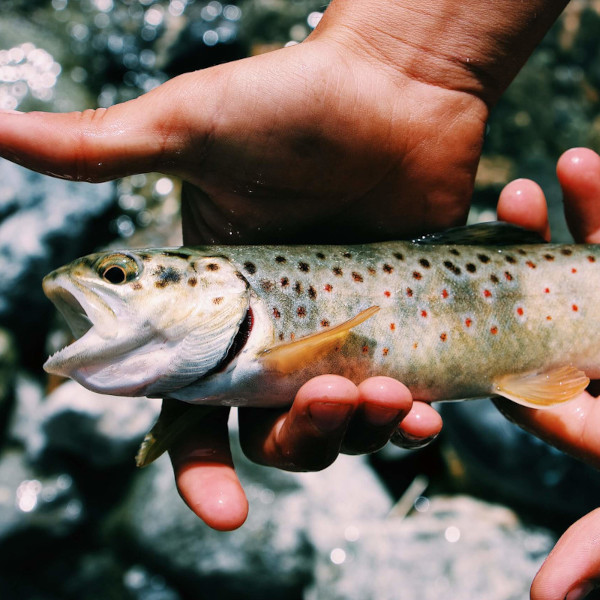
(470, 517)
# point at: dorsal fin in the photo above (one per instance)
(494, 233)
(542, 389)
(289, 357)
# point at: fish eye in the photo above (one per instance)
(118, 269)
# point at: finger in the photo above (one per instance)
(419, 428)
(205, 476)
(573, 565)
(572, 427)
(96, 145)
(522, 202)
(383, 403)
(578, 172)
(309, 437)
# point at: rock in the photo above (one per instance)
(456, 547)
(508, 464)
(102, 431)
(8, 363)
(272, 555)
(36, 507)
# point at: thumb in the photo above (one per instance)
(97, 145)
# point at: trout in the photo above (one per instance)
(473, 312)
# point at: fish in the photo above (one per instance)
(477, 311)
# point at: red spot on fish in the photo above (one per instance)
(324, 323)
(365, 349)
(573, 270)
(487, 293)
(591, 258)
(493, 330)
(292, 336)
(508, 276)
(387, 294)
(547, 291)
(357, 277)
(520, 311)
(416, 345)
(530, 264)
(386, 351)
(574, 308)
(417, 275)
(424, 314)
(276, 313)
(392, 326)
(409, 292)
(443, 337)
(301, 311)
(444, 293)
(548, 318)
(468, 322)
(328, 287)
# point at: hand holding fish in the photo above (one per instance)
(573, 568)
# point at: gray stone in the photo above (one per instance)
(103, 431)
(456, 547)
(292, 516)
(34, 505)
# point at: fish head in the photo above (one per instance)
(146, 322)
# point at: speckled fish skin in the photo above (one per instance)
(452, 318)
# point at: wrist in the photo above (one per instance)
(464, 45)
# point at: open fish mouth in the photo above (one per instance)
(84, 311)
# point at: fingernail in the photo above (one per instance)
(404, 440)
(380, 415)
(329, 416)
(580, 591)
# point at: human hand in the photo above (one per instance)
(574, 564)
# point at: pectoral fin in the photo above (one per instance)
(287, 358)
(175, 419)
(542, 390)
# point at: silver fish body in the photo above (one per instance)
(451, 321)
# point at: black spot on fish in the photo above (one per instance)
(284, 282)
(591, 259)
(454, 251)
(424, 263)
(281, 336)
(471, 267)
(267, 285)
(388, 268)
(166, 275)
(566, 251)
(276, 313)
(510, 259)
(409, 292)
(212, 267)
(304, 267)
(521, 252)
(218, 300)
(372, 271)
(337, 271)
(298, 287)
(240, 276)
(549, 256)
(494, 278)
(417, 275)
(452, 267)
(398, 255)
(250, 267)
(531, 264)
(320, 255)
(281, 259)
(192, 281)
(484, 258)
(312, 293)
(324, 323)
(301, 311)
(357, 277)
(347, 255)
(136, 285)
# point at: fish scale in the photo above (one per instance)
(249, 324)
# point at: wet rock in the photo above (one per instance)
(456, 547)
(43, 223)
(272, 555)
(34, 506)
(102, 431)
(506, 463)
